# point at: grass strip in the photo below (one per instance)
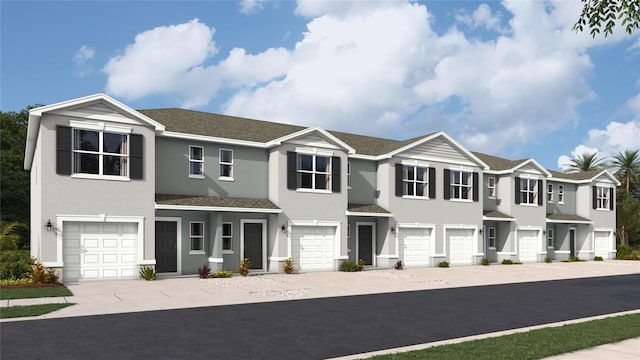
(534, 344)
(36, 292)
(30, 310)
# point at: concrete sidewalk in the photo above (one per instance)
(110, 297)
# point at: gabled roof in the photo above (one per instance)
(498, 164)
(582, 176)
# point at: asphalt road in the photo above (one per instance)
(318, 328)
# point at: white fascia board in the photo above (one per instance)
(588, 181)
(457, 145)
(364, 157)
(217, 208)
(609, 175)
(368, 214)
(568, 181)
(33, 129)
(498, 172)
(212, 139)
(533, 162)
(325, 133)
(488, 218)
(569, 221)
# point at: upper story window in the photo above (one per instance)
(349, 174)
(550, 193)
(196, 234)
(461, 185)
(550, 238)
(415, 181)
(196, 161)
(491, 188)
(226, 163)
(561, 194)
(529, 191)
(100, 153)
(313, 171)
(491, 236)
(602, 198)
(227, 237)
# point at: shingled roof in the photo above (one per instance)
(215, 201)
(498, 163)
(566, 218)
(581, 175)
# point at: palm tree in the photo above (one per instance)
(586, 162)
(627, 165)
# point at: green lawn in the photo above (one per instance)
(534, 344)
(38, 292)
(29, 310)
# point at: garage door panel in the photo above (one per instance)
(110, 243)
(602, 244)
(313, 247)
(460, 246)
(416, 246)
(528, 245)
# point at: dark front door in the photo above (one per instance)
(365, 244)
(166, 246)
(253, 244)
(572, 242)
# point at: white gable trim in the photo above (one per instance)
(587, 181)
(533, 162)
(322, 132)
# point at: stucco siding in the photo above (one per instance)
(363, 182)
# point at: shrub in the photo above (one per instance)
(399, 265)
(15, 282)
(547, 259)
(624, 252)
(443, 264)
(41, 274)
(484, 261)
(221, 274)
(15, 264)
(634, 255)
(288, 266)
(360, 265)
(598, 258)
(507, 262)
(203, 271)
(148, 273)
(348, 266)
(244, 267)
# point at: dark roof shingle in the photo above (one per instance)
(215, 201)
(367, 208)
(566, 217)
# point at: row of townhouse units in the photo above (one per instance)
(114, 189)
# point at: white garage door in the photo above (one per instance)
(415, 245)
(460, 246)
(528, 245)
(97, 251)
(602, 244)
(313, 247)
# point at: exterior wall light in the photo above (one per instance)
(284, 228)
(48, 225)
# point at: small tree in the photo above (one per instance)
(599, 13)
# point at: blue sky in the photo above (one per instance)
(505, 78)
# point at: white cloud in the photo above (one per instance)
(251, 6)
(315, 8)
(482, 17)
(81, 60)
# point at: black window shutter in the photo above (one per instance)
(540, 192)
(335, 174)
(446, 184)
(476, 193)
(432, 183)
(137, 163)
(517, 187)
(612, 196)
(63, 150)
(594, 204)
(399, 189)
(292, 171)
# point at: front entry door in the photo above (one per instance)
(572, 242)
(166, 246)
(365, 244)
(252, 233)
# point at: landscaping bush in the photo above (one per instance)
(148, 273)
(15, 264)
(399, 265)
(348, 266)
(443, 264)
(507, 262)
(634, 255)
(44, 275)
(288, 266)
(244, 267)
(547, 260)
(573, 259)
(598, 258)
(484, 261)
(360, 265)
(203, 271)
(221, 274)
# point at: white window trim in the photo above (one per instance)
(196, 176)
(415, 182)
(489, 237)
(550, 193)
(561, 194)
(227, 251)
(315, 172)
(525, 191)
(191, 236)
(494, 187)
(461, 185)
(101, 154)
(349, 175)
(220, 163)
(605, 200)
(550, 237)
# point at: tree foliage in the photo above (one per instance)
(586, 162)
(626, 166)
(603, 15)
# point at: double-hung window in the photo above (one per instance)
(491, 236)
(100, 153)
(550, 238)
(550, 193)
(561, 194)
(196, 161)
(528, 191)
(314, 172)
(415, 181)
(227, 237)
(461, 185)
(196, 234)
(602, 197)
(349, 174)
(226, 164)
(491, 188)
